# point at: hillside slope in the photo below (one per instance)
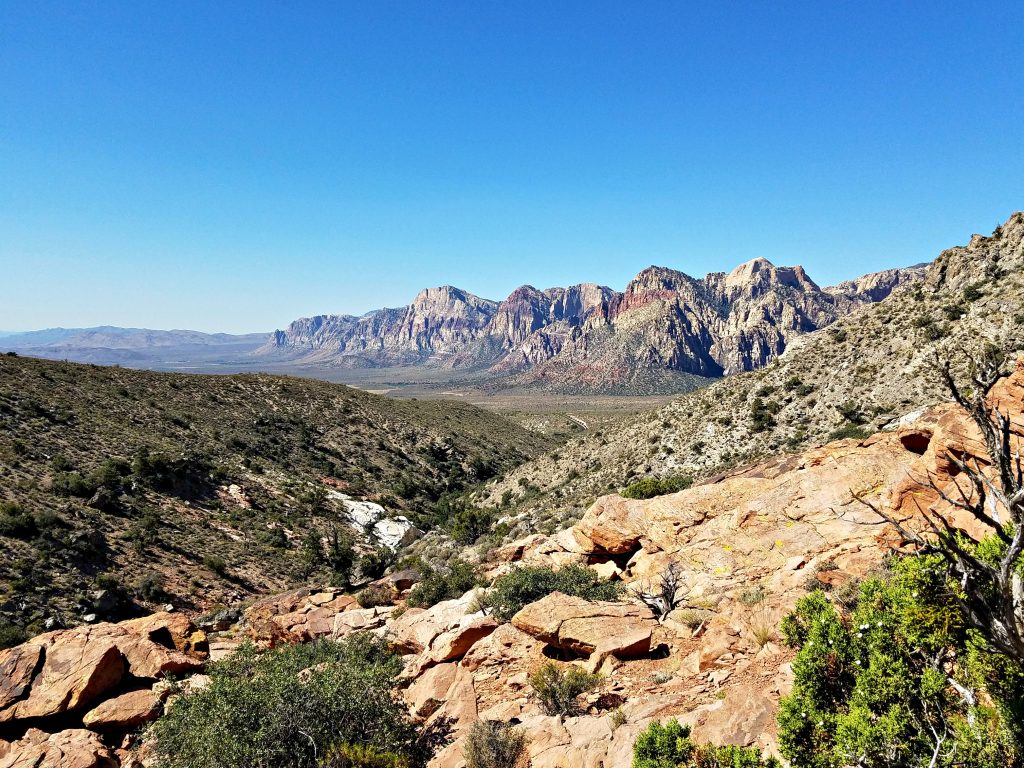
(204, 489)
(867, 369)
(744, 549)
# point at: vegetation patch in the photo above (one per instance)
(559, 691)
(670, 746)
(521, 586)
(450, 582)
(899, 680)
(650, 487)
(292, 706)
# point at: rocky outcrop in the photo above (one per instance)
(306, 614)
(106, 678)
(878, 285)
(73, 748)
(589, 335)
(66, 670)
(439, 323)
(125, 711)
(586, 627)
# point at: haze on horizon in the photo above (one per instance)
(231, 168)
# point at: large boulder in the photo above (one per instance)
(416, 630)
(18, 666)
(125, 711)
(584, 626)
(155, 646)
(66, 670)
(444, 632)
(75, 671)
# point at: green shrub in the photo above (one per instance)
(650, 487)
(754, 595)
(528, 584)
(150, 586)
(215, 563)
(973, 292)
(145, 532)
(73, 484)
(11, 634)
(559, 692)
(15, 522)
(453, 581)
(376, 594)
(470, 523)
(274, 537)
(493, 744)
(762, 415)
(850, 411)
(372, 564)
(670, 746)
(875, 686)
(954, 311)
(287, 706)
(794, 384)
(362, 756)
(849, 431)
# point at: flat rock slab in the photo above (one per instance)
(582, 626)
(125, 711)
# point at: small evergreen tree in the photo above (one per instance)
(898, 681)
(288, 707)
(670, 746)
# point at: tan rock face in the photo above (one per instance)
(68, 669)
(575, 624)
(17, 668)
(125, 711)
(75, 671)
(76, 748)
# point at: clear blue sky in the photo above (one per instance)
(226, 166)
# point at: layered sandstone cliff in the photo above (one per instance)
(588, 336)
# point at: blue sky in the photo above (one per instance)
(230, 167)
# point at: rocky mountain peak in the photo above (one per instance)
(983, 258)
(449, 297)
(654, 279)
(588, 336)
(758, 276)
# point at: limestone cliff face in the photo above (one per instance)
(440, 322)
(590, 337)
(982, 259)
(878, 285)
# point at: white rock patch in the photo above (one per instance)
(392, 532)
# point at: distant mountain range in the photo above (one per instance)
(667, 331)
(135, 347)
(665, 328)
